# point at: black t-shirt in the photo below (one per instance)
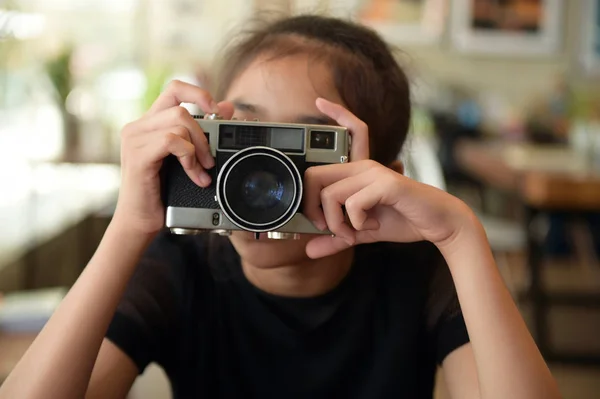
(379, 334)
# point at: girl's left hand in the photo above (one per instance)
(380, 204)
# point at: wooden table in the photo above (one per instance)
(544, 178)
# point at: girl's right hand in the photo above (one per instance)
(167, 128)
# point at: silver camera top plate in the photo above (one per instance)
(212, 124)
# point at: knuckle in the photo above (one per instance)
(351, 205)
(390, 176)
(204, 94)
(180, 131)
(370, 164)
(174, 85)
(169, 139)
(326, 193)
(391, 179)
(363, 126)
(127, 130)
(180, 113)
(311, 172)
(188, 162)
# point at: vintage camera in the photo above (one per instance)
(257, 181)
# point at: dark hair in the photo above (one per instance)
(365, 72)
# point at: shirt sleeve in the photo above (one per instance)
(444, 315)
(148, 313)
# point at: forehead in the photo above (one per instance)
(284, 87)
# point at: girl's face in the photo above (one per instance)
(279, 90)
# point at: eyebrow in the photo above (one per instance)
(243, 106)
(246, 107)
(315, 120)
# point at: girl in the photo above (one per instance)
(407, 283)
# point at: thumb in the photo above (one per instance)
(226, 109)
(325, 245)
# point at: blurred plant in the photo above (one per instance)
(58, 69)
(156, 77)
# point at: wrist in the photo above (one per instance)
(141, 223)
(468, 235)
(119, 230)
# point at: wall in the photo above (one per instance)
(189, 32)
(517, 80)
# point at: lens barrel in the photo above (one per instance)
(259, 189)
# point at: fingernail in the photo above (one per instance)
(205, 178)
(319, 225)
(214, 107)
(208, 161)
(350, 240)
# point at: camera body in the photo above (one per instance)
(257, 180)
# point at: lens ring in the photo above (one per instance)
(230, 180)
(233, 166)
(225, 175)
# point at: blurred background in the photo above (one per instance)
(506, 116)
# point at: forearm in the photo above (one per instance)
(509, 364)
(60, 361)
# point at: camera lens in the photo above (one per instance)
(259, 189)
(262, 190)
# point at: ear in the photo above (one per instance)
(397, 166)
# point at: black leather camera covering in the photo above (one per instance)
(179, 191)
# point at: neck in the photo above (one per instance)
(309, 278)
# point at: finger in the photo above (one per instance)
(188, 162)
(360, 203)
(178, 92)
(336, 195)
(178, 116)
(359, 131)
(322, 246)
(226, 109)
(319, 177)
(334, 216)
(174, 141)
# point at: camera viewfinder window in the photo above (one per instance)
(324, 140)
(287, 139)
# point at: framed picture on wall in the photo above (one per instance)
(527, 28)
(398, 21)
(590, 37)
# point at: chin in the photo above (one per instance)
(266, 253)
